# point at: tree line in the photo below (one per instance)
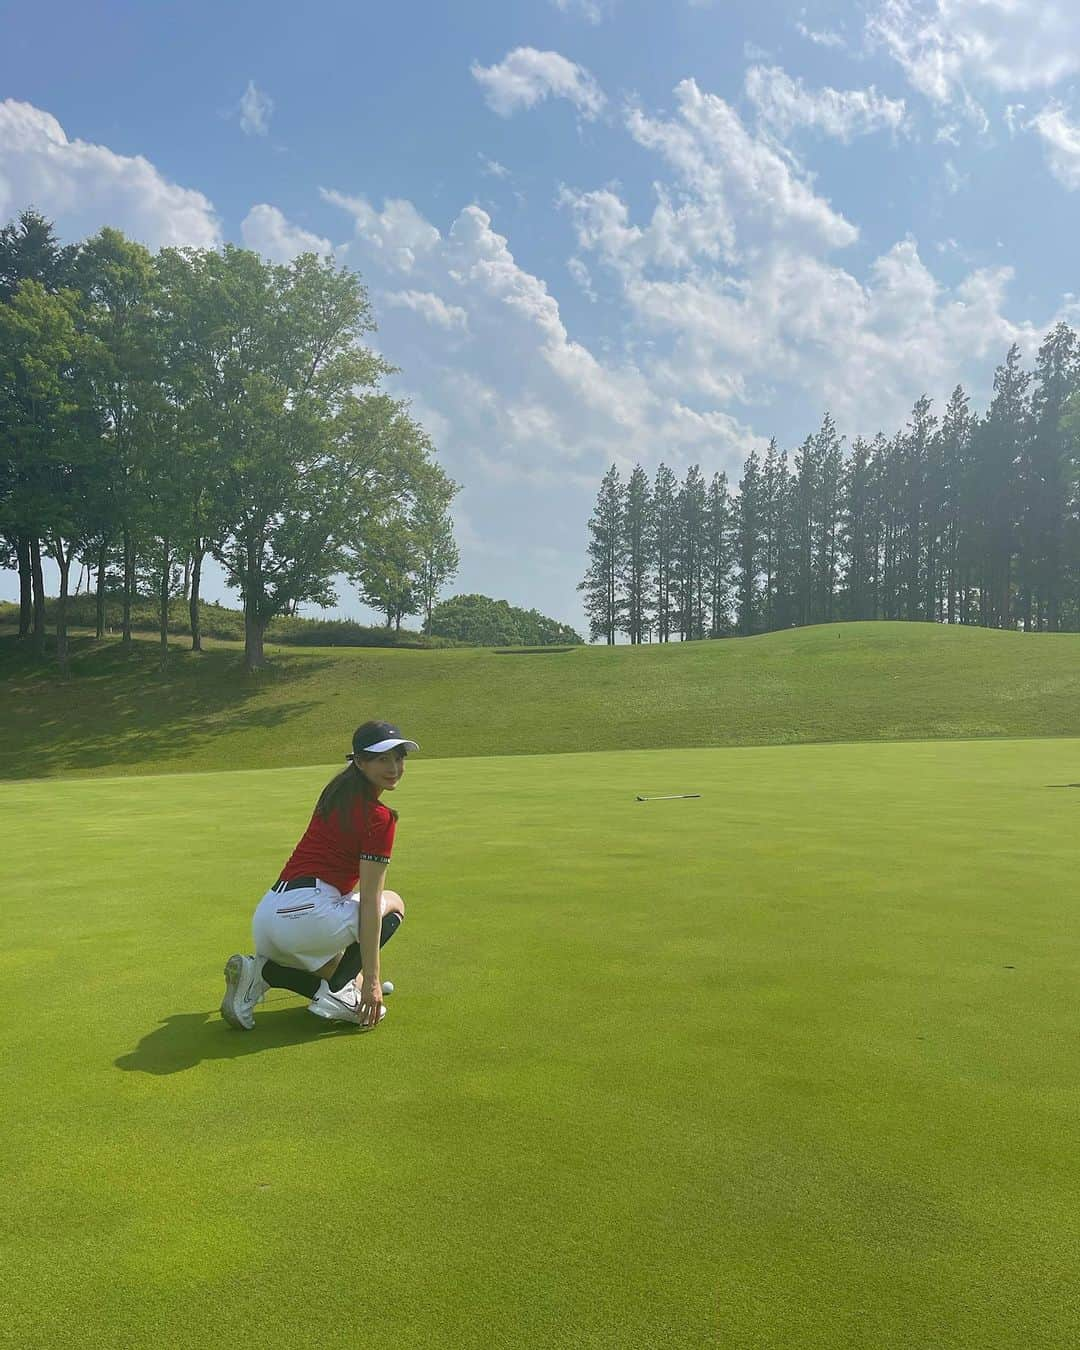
(957, 519)
(156, 409)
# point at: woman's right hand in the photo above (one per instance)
(372, 1008)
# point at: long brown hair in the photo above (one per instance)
(344, 788)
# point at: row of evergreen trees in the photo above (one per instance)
(159, 408)
(964, 519)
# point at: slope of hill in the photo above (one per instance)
(842, 682)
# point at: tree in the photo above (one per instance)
(479, 621)
(665, 530)
(999, 444)
(825, 521)
(720, 531)
(280, 374)
(117, 281)
(432, 533)
(636, 553)
(29, 251)
(749, 516)
(804, 505)
(41, 357)
(774, 475)
(690, 551)
(955, 443)
(1049, 470)
(605, 559)
(856, 531)
(384, 568)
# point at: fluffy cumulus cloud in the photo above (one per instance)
(782, 321)
(430, 307)
(527, 76)
(947, 46)
(784, 104)
(82, 187)
(526, 399)
(267, 231)
(255, 110)
(398, 236)
(726, 183)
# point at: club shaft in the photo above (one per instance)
(674, 797)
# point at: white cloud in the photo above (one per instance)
(824, 38)
(593, 11)
(267, 231)
(1061, 141)
(1011, 118)
(429, 307)
(398, 234)
(515, 387)
(527, 76)
(491, 168)
(737, 322)
(954, 179)
(944, 45)
(582, 277)
(255, 110)
(83, 187)
(723, 174)
(785, 103)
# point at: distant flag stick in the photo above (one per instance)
(676, 797)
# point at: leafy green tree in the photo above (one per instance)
(479, 621)
(432, 532)
(29, 251)
(279, 376)
(45, 431)
(117, 281)
(384, 568)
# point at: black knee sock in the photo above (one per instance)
(301, 982)
(349, 966)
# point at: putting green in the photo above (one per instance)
(792, 1065)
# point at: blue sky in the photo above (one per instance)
(593, 231)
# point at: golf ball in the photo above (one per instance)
(387, 988)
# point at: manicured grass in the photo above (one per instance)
(793, 1065)
(843, 682)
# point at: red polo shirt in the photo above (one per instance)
(333, 849)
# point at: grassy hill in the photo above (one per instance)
(842, 682)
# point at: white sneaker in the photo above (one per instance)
(244, 988)
(344, 1006)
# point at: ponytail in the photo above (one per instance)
(344, 789)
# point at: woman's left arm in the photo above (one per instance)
(372, 881)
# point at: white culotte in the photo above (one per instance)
(306, 927)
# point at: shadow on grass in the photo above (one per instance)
(119, 709)
(185, 1040)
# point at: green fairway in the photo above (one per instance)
(792, 1065)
